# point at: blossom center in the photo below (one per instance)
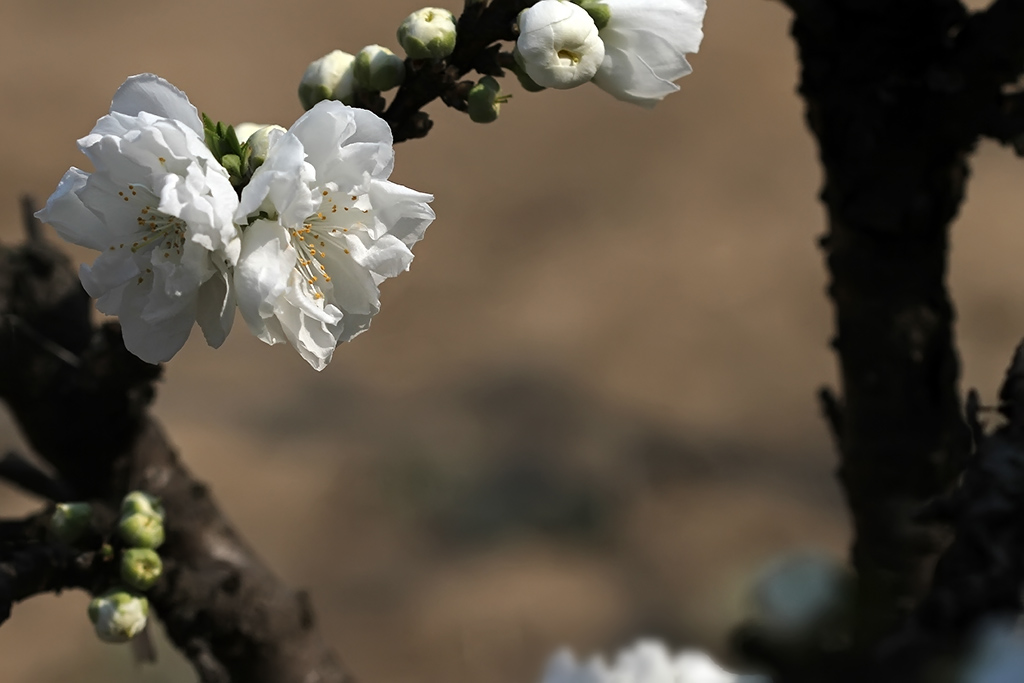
(569, 56)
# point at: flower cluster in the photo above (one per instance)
(633, 49)
(297, 228)
(648, 661)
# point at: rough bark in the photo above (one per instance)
(897, 95)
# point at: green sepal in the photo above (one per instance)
(598, 11)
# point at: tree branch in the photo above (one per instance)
(220, 605)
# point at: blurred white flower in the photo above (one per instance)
(558, 44)
(648, 661)
(159, 207)
(798, 594)
(997, 657)
(645, 47)
(325, 228)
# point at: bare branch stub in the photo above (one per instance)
(219, 603)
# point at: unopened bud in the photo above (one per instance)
(141, 567)
(140, 501)
(484, 100)
(428, 33)
(328, 78)
(118, 615)
(70, 521)
(259, 144)
(378, 68)
(141, 530)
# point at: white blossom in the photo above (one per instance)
(558, 44)
(798, 594)
(646, 43)
(997, 655)
(324, 228)
(159, 208)
(648, 661)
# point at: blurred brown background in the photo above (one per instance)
(586, 414)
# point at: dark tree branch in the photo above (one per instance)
(43, 568)
(16, 470)
(895, 172)
(218, 602)
(980, 575)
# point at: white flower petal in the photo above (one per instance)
(65, 211)
(151, 338)
(215, 311)
(646, 42)
(261, 277)
(150, 93)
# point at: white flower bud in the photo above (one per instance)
(141, 530)
(259, 142)
(428, 33)
(140, 501)
(70, 521)
(558, 44)
(378, 68)
(141, 567)
(244, 130)
(118, 615)
(328, 78)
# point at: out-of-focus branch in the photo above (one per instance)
(979, 577)
(480, 26)
(219, 603)
(17, 470)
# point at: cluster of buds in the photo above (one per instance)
(427, 34)
(120, 613)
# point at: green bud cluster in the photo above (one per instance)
(232, 154)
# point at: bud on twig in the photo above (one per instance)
(70, 521)
(140, 568)
(118, 615)
(428, 33)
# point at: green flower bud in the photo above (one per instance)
(70, 521)
(484, 100)
(118, 615)
(140, 568)
(328, 78)
(139, 501)
(428, 33)
(141, 530)
(259, 144)
(378, 68)
(598, 11)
